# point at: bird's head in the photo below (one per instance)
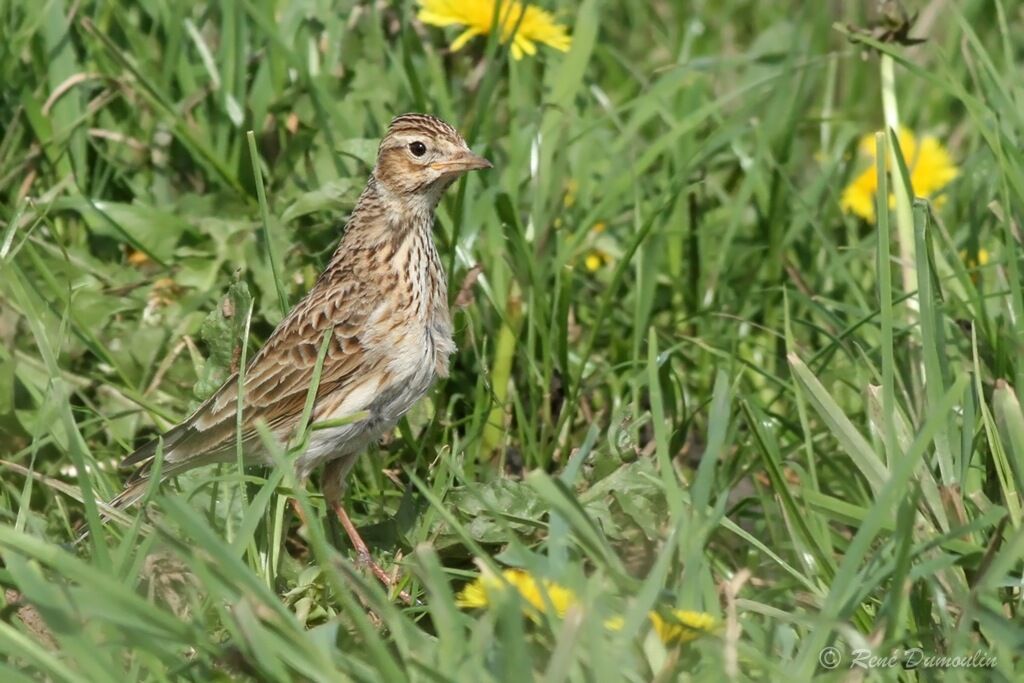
(421, 156)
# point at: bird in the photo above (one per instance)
(382, 300)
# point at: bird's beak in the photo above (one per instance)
(465, 161)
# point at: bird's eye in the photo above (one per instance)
(417, 148)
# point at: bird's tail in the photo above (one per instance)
(134, 491)
(137, 486)
(145, 455)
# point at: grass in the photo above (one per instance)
(752, 407)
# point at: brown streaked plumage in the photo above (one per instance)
(384, 295)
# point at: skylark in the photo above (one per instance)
(383, 296)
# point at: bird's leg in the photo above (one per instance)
(297, 509)
(333, 489)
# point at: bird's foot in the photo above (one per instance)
(363, 557)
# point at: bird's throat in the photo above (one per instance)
(389, 239)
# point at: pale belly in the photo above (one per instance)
(414, 370)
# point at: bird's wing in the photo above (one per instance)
(278, 378)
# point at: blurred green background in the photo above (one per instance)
(690, 376)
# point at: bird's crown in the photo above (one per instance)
(421, 124)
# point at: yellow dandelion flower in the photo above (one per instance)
(534, 592)
(541, 596)
(594, 260)
(682, 626)
(473, 595)
(975, 260)
(480, 593)
(859, 196)
(523, 24)
(597, 257)
(931, 169)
